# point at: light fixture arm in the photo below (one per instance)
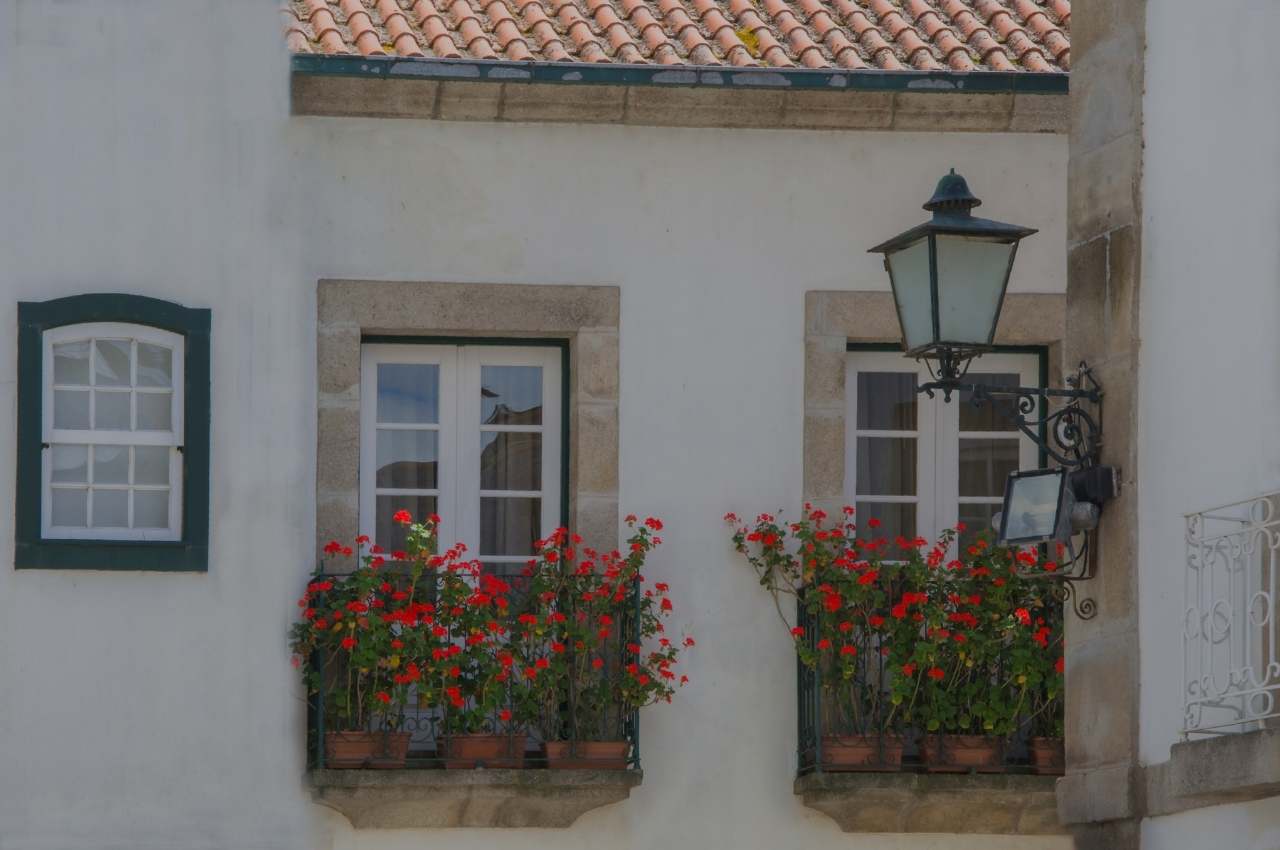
(1071, 435)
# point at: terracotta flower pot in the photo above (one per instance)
(587, 755)
(365, 749)
(1048, 756)
(466, 752)
(861, 752)
(962, 753)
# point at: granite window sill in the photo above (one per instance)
(974, 804)
(413, 799)
(1233, 768)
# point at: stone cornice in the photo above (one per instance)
(930, 109)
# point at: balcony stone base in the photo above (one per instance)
(412, 799)
(975, 804)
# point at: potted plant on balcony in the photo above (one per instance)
(983, 659)
(903, 638)
(844, 589)
(351, 647)
(473, 682)
(592, 616)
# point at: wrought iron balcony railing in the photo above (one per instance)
(1231, 645)
(861, 708)
(562, 720)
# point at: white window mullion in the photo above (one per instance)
(468, 504)
(946, 462)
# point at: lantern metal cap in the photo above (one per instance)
(950, 205)
(952, 196)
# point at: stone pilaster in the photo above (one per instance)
(1100, 796)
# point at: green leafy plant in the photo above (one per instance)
(564, 652)
(906, 638)
(592, 615)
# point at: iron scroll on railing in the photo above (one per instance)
(1231, 638)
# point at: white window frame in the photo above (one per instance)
(937, 434)
(173, 438)
(458, 495)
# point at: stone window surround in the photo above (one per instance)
(587, 316)
(900, 803)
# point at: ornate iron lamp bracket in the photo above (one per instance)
(1071, 436)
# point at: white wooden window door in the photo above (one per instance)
(471, 432)
(919, 465)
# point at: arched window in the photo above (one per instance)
(112, 426)
(113, 434)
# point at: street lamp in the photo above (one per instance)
(949, 277)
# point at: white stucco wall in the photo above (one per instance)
(149, 151)
(1210, 357)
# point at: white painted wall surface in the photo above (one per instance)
(1210, 359)
(149, 151)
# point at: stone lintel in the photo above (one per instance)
(972, 804)
(434, 799)
(672, 105)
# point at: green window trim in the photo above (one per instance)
(191, 553)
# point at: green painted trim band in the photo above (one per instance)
(191, 553)
(618, 74)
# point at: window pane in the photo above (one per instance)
(110, 464)
(985, 464)
(150, 508)
(896, 520)
(886, 466)
(390, 535)
(111, 363)
(151, 465)
(71, 409)
(110, 508)
(887, 401)
(977, 520)
(155, 365)
(70, 508)
(990, 416)
(70, 463)
(71, 363)
(511, 395)
(408, 392)
(510, 461)
(509, 526)
(154, 411)
(110, 410)
(408, 459)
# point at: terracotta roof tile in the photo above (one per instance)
(926, 35)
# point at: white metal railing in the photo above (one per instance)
(1231, 655)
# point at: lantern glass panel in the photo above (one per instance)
(913, 290)
(971, 279)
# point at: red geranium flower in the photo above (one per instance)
(936, 673)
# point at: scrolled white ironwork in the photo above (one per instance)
(1231, 631)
